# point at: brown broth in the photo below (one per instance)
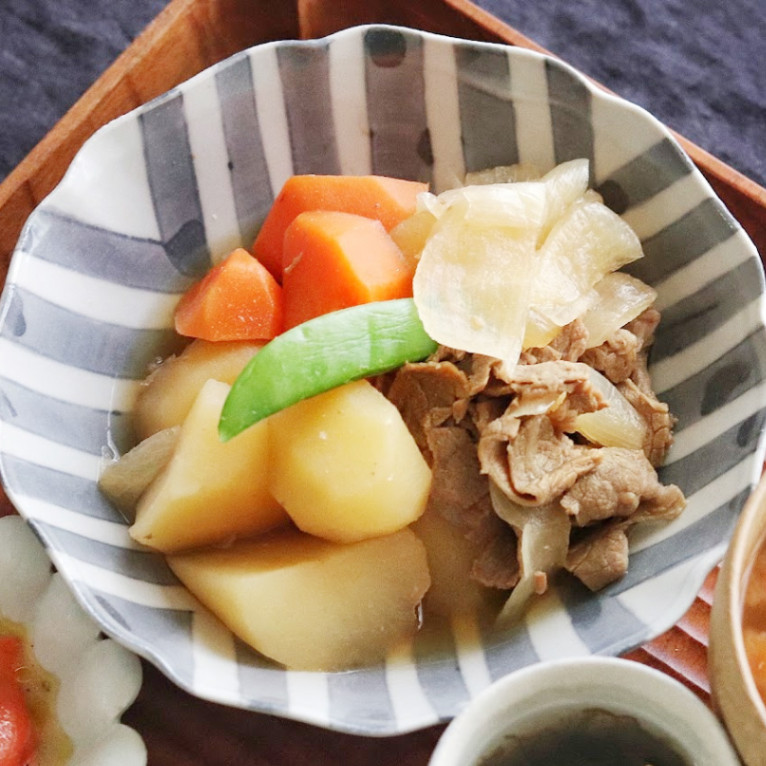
(54, 748)
(587, 738)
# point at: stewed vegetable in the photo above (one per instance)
(321, 354)
(494, 428)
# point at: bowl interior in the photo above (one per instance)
(154, 196)
(598, 693)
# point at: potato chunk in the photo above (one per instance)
(167, 394)
(209, 491)
(451, 554)
(344, 465)
(310, 604)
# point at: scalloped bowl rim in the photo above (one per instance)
(694, 572)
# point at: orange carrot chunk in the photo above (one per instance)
(388, 200)
(17, 736)
(334, 260)
(236, 300)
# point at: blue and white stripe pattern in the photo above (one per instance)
(157, 196)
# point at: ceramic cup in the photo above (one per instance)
(543, 696)
(734, 689)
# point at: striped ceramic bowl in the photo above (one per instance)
(157, 193)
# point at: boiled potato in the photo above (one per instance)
(167, 394)
(450, 558)
(310, 604)
(210, 491)
(344, 465)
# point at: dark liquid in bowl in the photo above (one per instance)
(587, 738)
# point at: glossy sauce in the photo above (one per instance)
(40, 688)
(587, 738)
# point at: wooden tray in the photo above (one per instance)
(186, 37)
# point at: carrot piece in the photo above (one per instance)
(335, 260)
(389, 200)
(17, 737)
(236, 300)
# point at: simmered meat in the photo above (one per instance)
(481, 371)
(561, 390)
(615, 357)
(622, 481)
(497, 566)
(492, 449)
(483, 430)
(544, 462)
(644, 325)
(623, 355)
(568, 346)
(601, 557)
(460, 493)
(426, 395)
(660, 422)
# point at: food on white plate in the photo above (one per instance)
(503, 416)
(72, 684)
(29, 729)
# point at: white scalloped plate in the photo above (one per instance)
(98, 678)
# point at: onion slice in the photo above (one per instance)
(505, 266)
(412, 234)
(124, 480)
(543, 533)
(616, 425)
(520, 205)
(564, 185)
(586, 243)
(473, 281)
(620, 298)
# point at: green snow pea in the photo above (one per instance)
(323, 353)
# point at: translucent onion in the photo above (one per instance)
(125, 480)
(565, 184)
(430, 203)
(616, 425)
(543, 533)
(484, 284)
(539, 330)
(586, 243)
(473, 281)
(620, 299)
(519, 205)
